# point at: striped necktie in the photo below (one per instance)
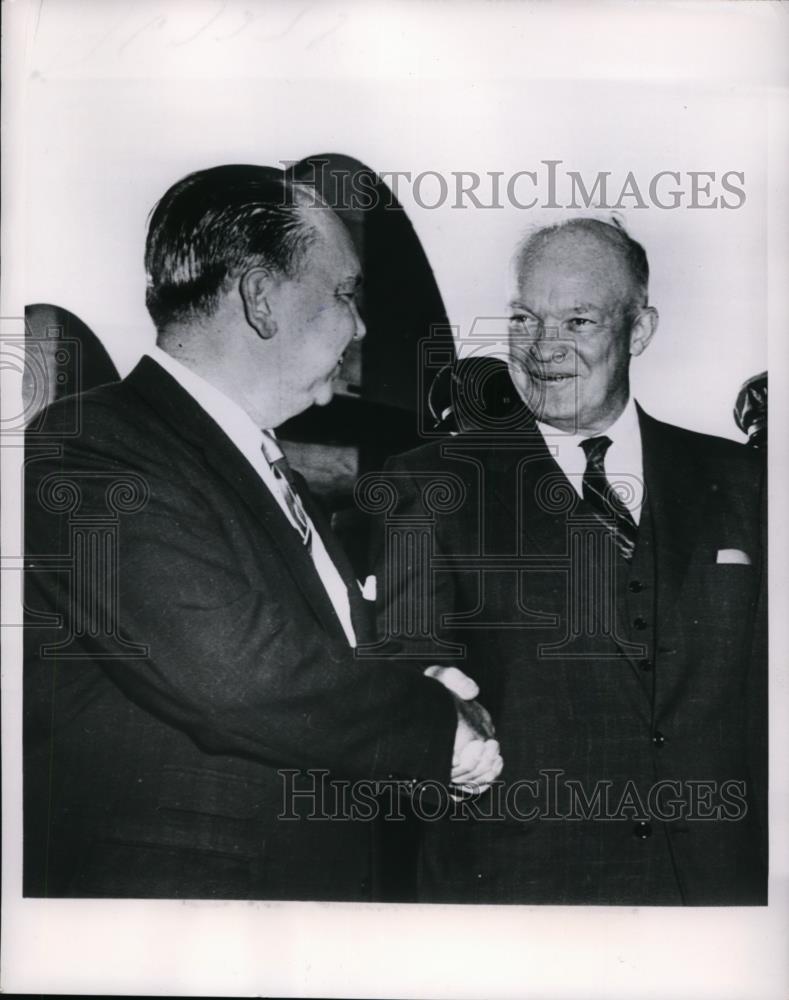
(598, 492)
(310, 522)
(287, 486)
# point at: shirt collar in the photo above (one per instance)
(623, 460)
(623, 430)
(233, 420)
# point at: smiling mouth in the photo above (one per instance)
(551, 377)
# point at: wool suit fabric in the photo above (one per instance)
(656, 676)
(180, 651)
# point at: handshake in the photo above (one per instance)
(476, 761)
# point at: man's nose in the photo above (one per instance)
(360, 330)
(544, 344)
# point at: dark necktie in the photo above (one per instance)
(599, 493)
(286, 483)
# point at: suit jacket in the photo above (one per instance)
(629, 700)
(180, 650)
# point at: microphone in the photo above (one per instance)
(439, 400)
(476, 394)
(750, 410)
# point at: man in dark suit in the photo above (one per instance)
(601, 574)
(191, 620)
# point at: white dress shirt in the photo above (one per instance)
(623, 460)
(248, 438)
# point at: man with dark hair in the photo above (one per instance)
(190, 678)
(605, 577)
(213, 225)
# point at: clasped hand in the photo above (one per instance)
(476, 761)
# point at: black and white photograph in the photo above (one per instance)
(387, 499)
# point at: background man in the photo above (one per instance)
(615, 633)
(204, 617)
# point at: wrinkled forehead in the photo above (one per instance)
(568, 266)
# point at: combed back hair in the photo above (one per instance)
(612, 232)
(213, 225)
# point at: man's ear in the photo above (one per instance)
(255, 288)
(643, 330)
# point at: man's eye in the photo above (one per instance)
(523, 325)
(523, 321)
(578, 322)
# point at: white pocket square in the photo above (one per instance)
(368, 588)
(733, 556)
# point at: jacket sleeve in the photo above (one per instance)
(230, 660)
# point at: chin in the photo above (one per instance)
(324, 394)
(564, 419)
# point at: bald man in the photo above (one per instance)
(604, 577)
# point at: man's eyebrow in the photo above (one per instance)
(576, 307)
(583, 307)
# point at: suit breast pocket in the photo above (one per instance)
(723, 593)
(728, 574)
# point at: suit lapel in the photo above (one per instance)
(517, 473)
(532, 486)
(177, 407)
(247, 484)
(678, 497)
(361, 611)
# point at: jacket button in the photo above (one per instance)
(645, 664)
(642, 830)
(639, 623)
(658, 739)
(635, 586)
